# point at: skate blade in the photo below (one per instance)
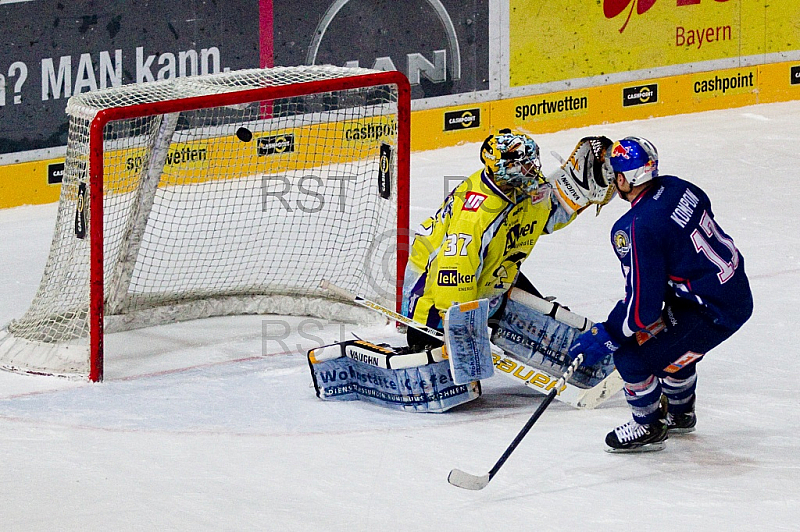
(647, 448)
(680, 431)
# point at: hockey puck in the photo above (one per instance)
(244, 134)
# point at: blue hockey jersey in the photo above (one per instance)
(669, 246)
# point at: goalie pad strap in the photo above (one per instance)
(378, 355)
(551, 309)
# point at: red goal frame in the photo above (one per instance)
(96, 153)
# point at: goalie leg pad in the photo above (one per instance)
(466, 334)
(543, 342)
(369, 372)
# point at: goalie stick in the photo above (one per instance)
(515, 369)
(467, 481)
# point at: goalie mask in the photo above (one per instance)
(635, 158)
(512, 161)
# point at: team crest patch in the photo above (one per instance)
(622, 244)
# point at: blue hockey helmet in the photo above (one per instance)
(636, 158)
(512, 160)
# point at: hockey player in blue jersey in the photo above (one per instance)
(686, 292)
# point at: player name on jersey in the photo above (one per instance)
(683, 212)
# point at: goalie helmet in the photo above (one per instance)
(512, 160)
(636, 158)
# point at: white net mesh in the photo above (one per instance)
(221, 210)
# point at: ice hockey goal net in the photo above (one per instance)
(231, 193)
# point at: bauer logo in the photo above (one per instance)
(464, 119)
(795, 80)
(275, 144)
(55, 173)
(640, 95)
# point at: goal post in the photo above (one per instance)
(221, 194)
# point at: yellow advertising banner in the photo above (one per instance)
(561, 40)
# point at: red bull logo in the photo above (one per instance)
(618, 150)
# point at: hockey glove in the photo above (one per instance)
(595, 344)
(584, 179)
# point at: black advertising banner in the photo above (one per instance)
(640, 95)
(441, 45)
(462, 119)
(54, 49)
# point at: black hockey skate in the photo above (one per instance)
(635, 438)
(682, 423)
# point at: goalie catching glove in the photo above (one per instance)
(586, 177)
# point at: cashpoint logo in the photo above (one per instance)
(55, 173)
(370, 131)
(795, 80)
(275, 144)
(463, 119)
(639, 95)
(737, 83)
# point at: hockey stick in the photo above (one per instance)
(467, 481)
(515, 369)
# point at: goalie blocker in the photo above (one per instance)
(387, 376)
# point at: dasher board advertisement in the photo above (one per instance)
(52, 50)
(563, 40)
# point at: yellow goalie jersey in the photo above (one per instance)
(472, 248)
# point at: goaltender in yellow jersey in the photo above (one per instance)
(474, 245)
